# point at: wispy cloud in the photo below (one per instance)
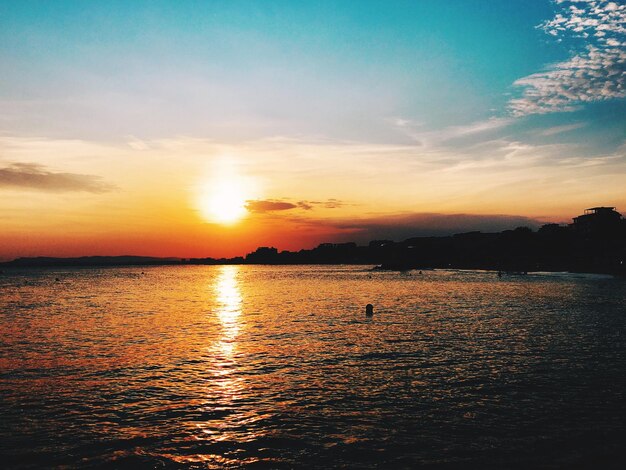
(333, 204)
(561, 129)
(428, 138)
(596, 73)
(33, 176)
(269, 206)
(273, 205)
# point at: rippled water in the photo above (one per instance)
(278, 367)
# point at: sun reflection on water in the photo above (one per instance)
(228, 299)
(225, 387)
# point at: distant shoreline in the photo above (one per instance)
(594, 243)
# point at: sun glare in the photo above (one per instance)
(224, 203)
(224, 191)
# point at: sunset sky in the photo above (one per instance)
(208, 128)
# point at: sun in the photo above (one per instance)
(224, 203)
(223, 192)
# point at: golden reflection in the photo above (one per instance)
(229, 307)
(226, 386)
(227, 419)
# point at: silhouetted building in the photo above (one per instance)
(597, 220)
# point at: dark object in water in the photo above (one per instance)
(369, 310)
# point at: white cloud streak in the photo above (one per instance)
(561, 129)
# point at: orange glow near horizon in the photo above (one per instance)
(190, 236)
(190, 198)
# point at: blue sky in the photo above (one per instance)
(247, 69)
(392, 108)
(335, 69)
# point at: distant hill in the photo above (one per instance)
(125, 260)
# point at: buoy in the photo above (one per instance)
(369, 310)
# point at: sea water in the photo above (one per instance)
(278, 367)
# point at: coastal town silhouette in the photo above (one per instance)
(594, 242)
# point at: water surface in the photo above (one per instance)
(230, 366)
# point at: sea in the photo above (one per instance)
(279, 367)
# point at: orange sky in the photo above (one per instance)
(155, 198)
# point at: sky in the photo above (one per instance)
(208, 128)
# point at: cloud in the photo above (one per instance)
(269, 206)
(37, 177)
(596, 73)
(477, 127)
(333, 204)
(272, 205)
(307, 206)
(328, 204)
(430, 138)
(561, 129)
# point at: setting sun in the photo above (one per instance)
(224, 203)
(224, 192)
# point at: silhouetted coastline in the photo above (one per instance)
(595, 242)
